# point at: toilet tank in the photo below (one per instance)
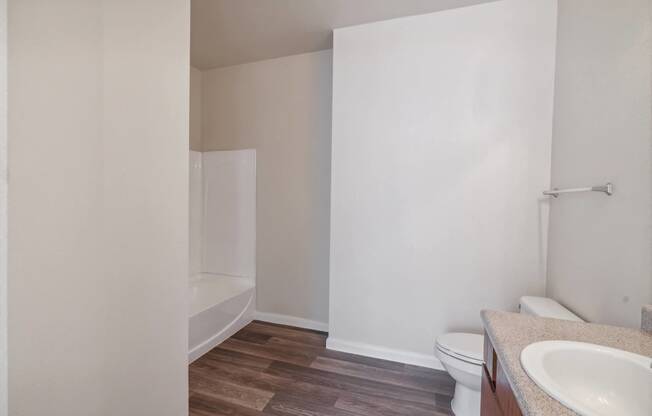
(546, 308)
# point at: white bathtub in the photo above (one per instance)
(219, 307)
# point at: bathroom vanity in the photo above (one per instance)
(507, 390)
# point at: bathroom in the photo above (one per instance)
(310, 207)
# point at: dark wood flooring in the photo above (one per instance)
(268, 369)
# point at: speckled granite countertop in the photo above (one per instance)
(511, 332)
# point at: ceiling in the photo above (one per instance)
(231, 32)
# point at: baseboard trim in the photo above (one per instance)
(276, 318)
(389, 354)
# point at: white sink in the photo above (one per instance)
(591, 380)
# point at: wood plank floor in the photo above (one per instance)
(268, 369)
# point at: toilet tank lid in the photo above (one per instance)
(546, 308)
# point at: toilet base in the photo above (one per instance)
(466, 402)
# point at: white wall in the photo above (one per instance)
(441, 148)
(600, 262)
(98, 207)
(281, 108)
(195, 109)
(3, 208)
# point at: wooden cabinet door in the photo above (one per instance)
(488, 404)
(505, 395)
(497, 395)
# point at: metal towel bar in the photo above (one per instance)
(607, 189)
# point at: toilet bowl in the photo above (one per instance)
(461, 356)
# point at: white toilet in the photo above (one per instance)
(462, 354)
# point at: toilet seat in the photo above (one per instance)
(462, 346)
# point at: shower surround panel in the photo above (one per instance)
(222, 246)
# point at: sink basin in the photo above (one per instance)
(590, 379)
